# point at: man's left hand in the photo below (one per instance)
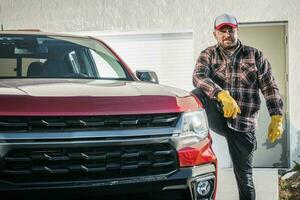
(275, 128)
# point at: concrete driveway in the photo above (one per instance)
(265, 181)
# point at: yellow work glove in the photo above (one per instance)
(230, 107)
(275, 128)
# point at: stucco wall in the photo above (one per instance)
(135, 15)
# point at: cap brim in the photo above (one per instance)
(226, 24)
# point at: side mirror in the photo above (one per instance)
(147, 76)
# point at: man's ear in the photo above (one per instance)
(215, 34)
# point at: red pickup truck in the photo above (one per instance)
(74, 117)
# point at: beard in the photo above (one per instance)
(229, 44)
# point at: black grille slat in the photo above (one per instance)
(93, 157)
(17, 159)
(87, 163)
(163, 120)
(46, 156)
(130, 155)
(129, 167)
(85, 123)
(113, 166)
(44, 123)
(46, 169)
(166, 152)
(92, 124)
(92, 169)
(145, 163)
(129, 122)
(33, 124)
(163, 164)
(13, 124)
(17, 172)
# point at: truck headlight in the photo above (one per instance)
(194, 128)
(194, 145)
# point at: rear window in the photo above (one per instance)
(57, 57)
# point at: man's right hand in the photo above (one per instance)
(230, 107)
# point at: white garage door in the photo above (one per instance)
(170, 55)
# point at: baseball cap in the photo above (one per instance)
(225, 19)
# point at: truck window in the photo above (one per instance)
(105, 69)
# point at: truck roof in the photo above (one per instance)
(37, 32)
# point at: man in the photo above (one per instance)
(232, 74)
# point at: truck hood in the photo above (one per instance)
(69, 97)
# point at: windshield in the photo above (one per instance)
(33, 56)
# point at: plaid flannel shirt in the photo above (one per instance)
(243, 73)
